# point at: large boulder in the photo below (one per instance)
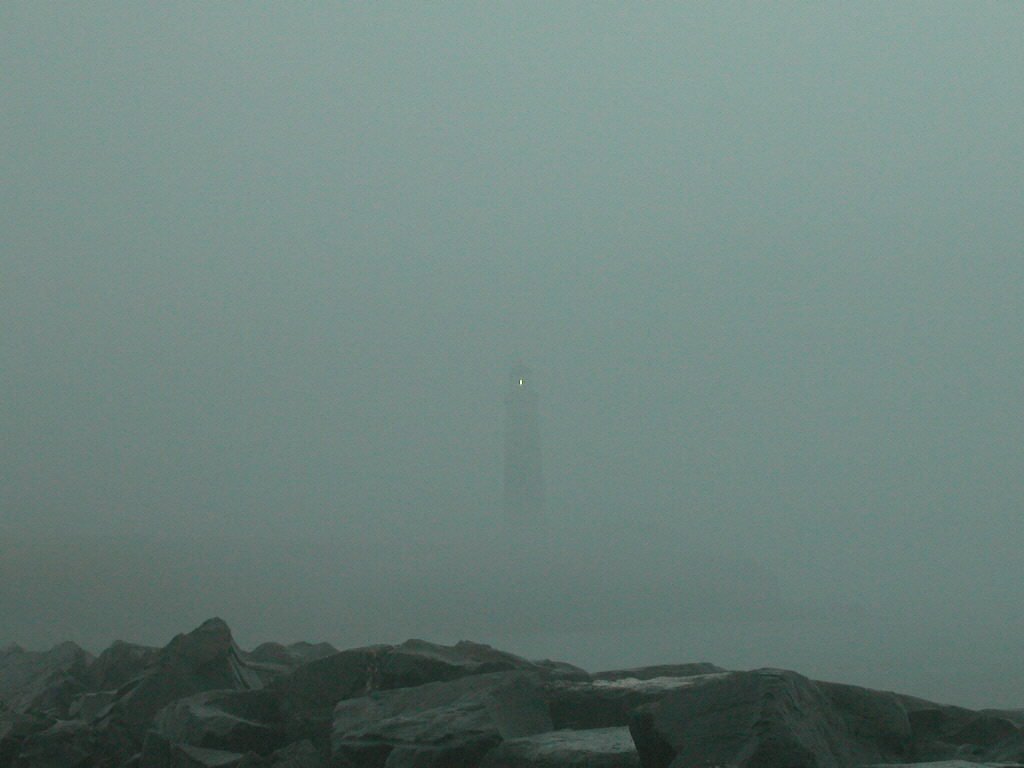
(447, 725)
(239, 721)
(65, 744)
(877, 721)
(120, 664)
(108, 702)
(415, 662)
(307, 696)
(767, 719)
(310, 693)
(270, 661)
(205, 659)
(15, 728)
(597, 748)
(45, 681)
(942, 732)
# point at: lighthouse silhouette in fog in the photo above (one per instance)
(524, 484)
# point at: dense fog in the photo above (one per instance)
(265, 269)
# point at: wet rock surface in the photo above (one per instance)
(659, 670)
(770, 718)
(43, 681)
(595, 748)
(607, 703)
(445, 723)
(289, 656)
(202, 702)
(941, 732)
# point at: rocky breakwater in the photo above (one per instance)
(201, 702)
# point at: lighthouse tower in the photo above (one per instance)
(524, 485)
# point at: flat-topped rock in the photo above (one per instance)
(310, 692)
(439, 724)
(596, 748)
(289, 656)
(607, 703)
(659, 670)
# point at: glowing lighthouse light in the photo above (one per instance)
(523, 483)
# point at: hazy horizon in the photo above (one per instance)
(264, 270)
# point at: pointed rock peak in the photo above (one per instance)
(214, 625)
(121, 663)
(11, 649)
(68, 649)
(209, 641)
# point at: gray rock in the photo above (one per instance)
(415, 662)
(609, 702)
(598, 748)
(91, 706)
(15, 728)
(65, 744)
(446, 724)
(157, 752)
(240, 721)
(943, 732)
(299, 755)
(201, 702)
(184, 756)
(309, 693)
(274, 660)
(290, 656)
(560, 670)
(660, 670)
(1015, 716)
(120, 664)
(876, 718)
(767, 719)
(45, 681)
(205, 659)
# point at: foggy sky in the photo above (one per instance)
(264, 269)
